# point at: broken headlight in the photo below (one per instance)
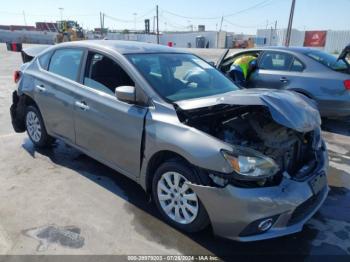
(250, 164)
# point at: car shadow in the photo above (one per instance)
(303, 245)
(338, 126)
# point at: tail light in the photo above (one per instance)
(16, 76)
(347, 84)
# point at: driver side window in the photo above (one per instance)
(104, 74)
(276, 61)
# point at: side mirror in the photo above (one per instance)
(126, 94)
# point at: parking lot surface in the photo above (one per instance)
(59, 201)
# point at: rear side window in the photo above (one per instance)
(328, 60)
(66, 63)
(44, 60)
(276, 61)
(297, 66)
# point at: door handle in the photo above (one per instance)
(82, 105)
(41, 88)
(283, 79)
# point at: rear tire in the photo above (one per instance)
(177, 203)
(36, 129)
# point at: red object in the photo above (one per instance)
(14, 47)
(170, 44)
(315, 38)
(347, 84)
(16, 76)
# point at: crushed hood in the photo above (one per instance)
(287, 108)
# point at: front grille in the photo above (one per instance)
(305, 208)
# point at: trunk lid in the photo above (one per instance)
(27, 53)
(344, 53)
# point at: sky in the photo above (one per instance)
(240, 16)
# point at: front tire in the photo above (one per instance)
(177, 202)
(36, 129)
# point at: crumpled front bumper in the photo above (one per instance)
(17, 112)
(232, 209)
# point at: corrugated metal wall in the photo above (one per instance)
(181, 40)
(187, 39)
(335, 42)
(278, 37)
(32, 37)
(133, 37)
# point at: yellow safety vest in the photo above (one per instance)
(243, 62)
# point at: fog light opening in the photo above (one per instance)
(265, 225)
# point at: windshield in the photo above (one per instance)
(328, 60)
(178, 77)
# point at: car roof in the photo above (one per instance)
(284, 48)
(124, 47)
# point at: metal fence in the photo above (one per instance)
(30, 37)
(335, 41)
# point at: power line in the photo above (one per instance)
(171, 23)
(51, 15)
(255, 6)
(153, 10)
(248, 26)
(118, 19)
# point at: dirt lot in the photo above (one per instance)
(60, 201)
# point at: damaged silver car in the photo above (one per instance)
(250, 163)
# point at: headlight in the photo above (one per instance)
(250, 164)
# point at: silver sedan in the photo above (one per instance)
(252, 163)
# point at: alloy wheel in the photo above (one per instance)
(176, 198)
(33, 126)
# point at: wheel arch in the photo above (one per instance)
(303, 92)
(155, 161)
(18, 110)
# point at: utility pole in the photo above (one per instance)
(222, 20)
(135, 21)
(24, 17)
(271, 34)
(154, 24)
(157, 24)
(102, 22)
(290, 24)
(61, 12)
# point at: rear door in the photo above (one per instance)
(106, 128)
(54, 90)
(277, 70)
